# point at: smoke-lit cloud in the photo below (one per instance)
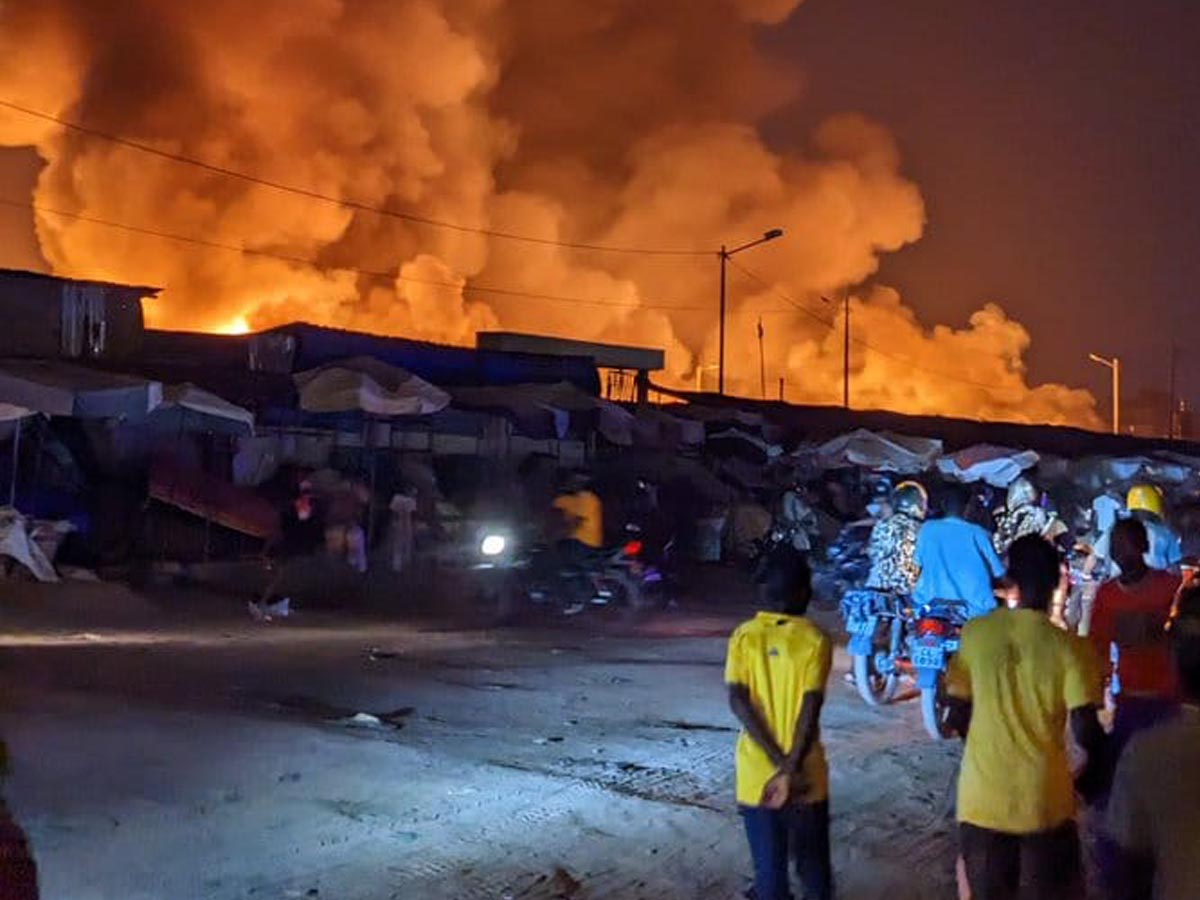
(617, 122)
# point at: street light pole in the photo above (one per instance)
(724, 253)
(1114, 365)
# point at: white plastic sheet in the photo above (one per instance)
(997, 466)
(883, 452)
(17, 543)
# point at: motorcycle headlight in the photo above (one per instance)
(493, 545)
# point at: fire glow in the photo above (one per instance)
(535, 118)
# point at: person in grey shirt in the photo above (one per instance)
(1154, 810)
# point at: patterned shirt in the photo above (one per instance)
(892, 551)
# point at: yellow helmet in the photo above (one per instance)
(1146, 498)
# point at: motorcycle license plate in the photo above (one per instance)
(929, 656)
(857, 627)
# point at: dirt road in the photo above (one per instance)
(160, 756)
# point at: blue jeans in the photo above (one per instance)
(801, 831)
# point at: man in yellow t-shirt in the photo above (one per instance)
(1025, 680)
(776, 671)
(583, 512)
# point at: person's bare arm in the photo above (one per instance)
(747, 713)
(1089, 735)
(806, 731)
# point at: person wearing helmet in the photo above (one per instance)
(1145, 502)
(893, 544)
(797, 518)
(1023, 515)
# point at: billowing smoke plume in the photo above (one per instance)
(615, 122)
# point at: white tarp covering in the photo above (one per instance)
(64, 389)
(883, 451)
(363, 384)
(191, 408)
(997, 466)
(17, 543)
(10, 413)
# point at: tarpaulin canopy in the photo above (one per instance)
(545, 410)
(881, 451)
(997, 466)
(212, 498)
(64, 389)
(186, 407)
(654, 427)
(363, 384)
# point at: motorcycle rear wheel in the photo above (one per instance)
(876, 688)
(933, 712)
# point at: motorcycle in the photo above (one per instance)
(517, 573)
(845, 564)
(936, 639)
(880, 627)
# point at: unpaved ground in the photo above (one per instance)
(166, 755)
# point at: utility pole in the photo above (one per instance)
(846, 353)
(845, 345)
(1171, 394)
(1114, 365)
(721, 337)
(724, 253)
(762, 361)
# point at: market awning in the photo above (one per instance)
(545, 410)
(882, 451)
(186, 407)
(997, 466)
(65, 389)
(362, 384)
(10, 413)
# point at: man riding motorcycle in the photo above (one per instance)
(893, 545)
(797, 518)
(1022, 515)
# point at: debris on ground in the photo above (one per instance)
(268, 612)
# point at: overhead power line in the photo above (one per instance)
(799, 307)
(371, 273)
(355, 205)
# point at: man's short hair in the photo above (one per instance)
(1185, 640)
(1034, 566)
(955, 499)
(787, 581)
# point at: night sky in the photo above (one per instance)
(1056, 147)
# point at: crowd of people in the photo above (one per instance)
(1079, 770)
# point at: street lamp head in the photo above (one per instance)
(772, 234)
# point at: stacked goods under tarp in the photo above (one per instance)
(368, 386)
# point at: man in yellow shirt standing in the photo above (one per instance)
(1025, 680)
(776, 671)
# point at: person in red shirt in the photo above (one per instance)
(1131, 614)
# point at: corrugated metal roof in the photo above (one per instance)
(140, 290)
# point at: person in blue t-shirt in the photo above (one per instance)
(957, 559)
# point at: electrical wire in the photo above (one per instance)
(355, 205)
(796, 304)
(371, 273)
